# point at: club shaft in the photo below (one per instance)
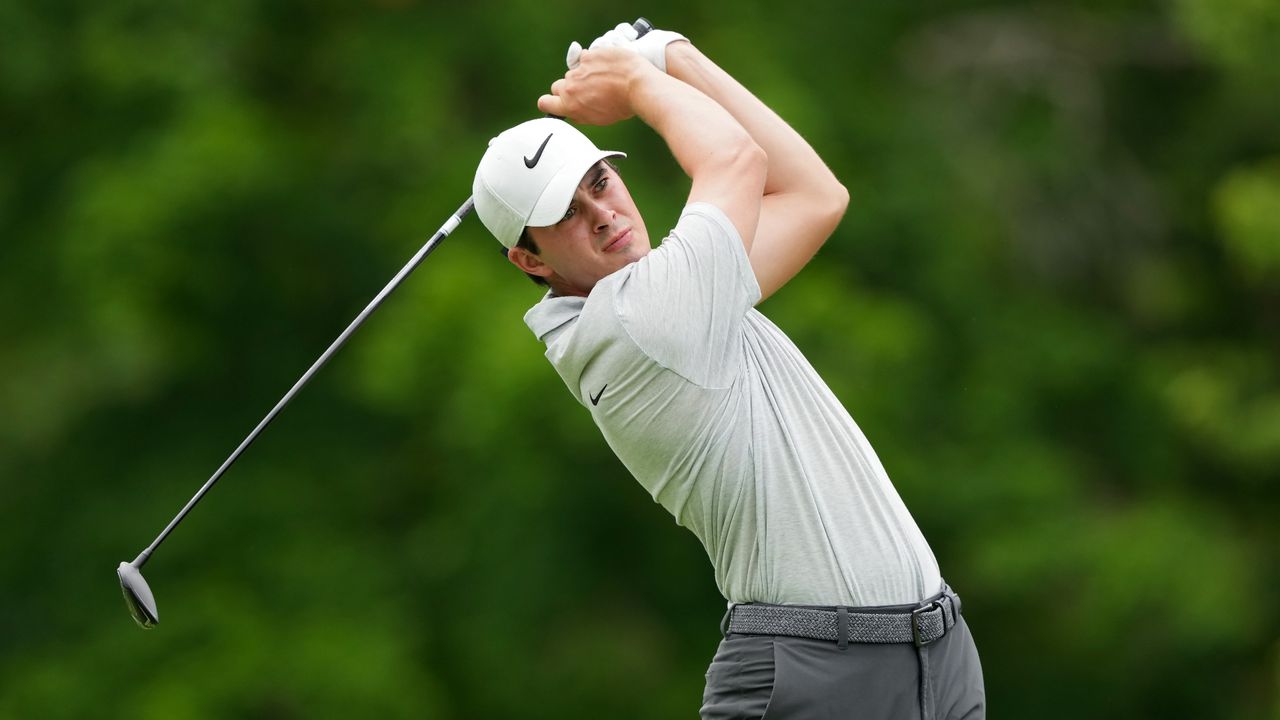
(450, 225)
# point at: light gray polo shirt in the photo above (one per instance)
(724, 422)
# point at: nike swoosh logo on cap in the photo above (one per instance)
(532, 162)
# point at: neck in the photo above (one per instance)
(561, 289)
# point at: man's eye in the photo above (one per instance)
(602, 183)
(568, 213)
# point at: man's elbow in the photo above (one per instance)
(751, 162)
(830, 206)
(738, 159)
(837, 201)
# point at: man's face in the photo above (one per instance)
(601, 233)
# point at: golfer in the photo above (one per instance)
(837, 608)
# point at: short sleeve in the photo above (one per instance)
(684, 304)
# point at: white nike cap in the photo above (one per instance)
(529, 174)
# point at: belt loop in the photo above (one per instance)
(842, 620)
(724, 623)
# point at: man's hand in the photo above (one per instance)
(652, 47)
(597, 91)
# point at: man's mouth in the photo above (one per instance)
(618, 242)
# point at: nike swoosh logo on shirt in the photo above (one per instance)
(595, 399)
(532, 162)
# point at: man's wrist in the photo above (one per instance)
(680, 55)
(640, 78)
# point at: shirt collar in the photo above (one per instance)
(552, 313)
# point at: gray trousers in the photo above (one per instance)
(753, 677)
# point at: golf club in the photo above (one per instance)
(137, 593)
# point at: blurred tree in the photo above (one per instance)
(1053, 308)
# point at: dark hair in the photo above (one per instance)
(526, 240)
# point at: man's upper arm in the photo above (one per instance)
(735, 185)
(780, 232)
(791, 229)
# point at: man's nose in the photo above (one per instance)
(602, 217)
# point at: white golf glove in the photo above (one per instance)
(652, 47)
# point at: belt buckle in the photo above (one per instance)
(916, 636)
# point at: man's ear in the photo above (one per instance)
(529, 262)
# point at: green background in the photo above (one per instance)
(1053, 307)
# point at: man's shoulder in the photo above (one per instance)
(707, 219)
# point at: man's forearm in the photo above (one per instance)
(699, 131)
(794, 166)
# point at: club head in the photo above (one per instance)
(137, 595)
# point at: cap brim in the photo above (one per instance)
(555, 198)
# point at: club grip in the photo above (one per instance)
(642, 27)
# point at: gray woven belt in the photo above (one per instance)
(922, 625)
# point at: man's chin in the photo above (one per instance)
(636, 250)
(627, 258)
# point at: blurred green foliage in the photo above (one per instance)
(1054, 307)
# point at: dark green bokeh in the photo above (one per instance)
(1053, 307)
